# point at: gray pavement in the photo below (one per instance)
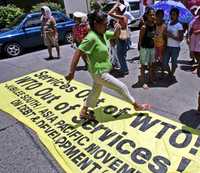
(21, 151)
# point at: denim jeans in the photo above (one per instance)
(113, 56)
(173, 53)
(121, 55)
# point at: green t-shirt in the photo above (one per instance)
(97, 52)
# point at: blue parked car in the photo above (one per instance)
(25, 32)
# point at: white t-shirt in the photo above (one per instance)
(130, 17)
(174, 30)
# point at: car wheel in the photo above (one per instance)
(13, 49)
(68, 37)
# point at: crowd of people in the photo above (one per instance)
(104, 51)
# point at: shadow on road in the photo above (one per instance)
(131, 60)
(161, 81)
(186, 65)
(27, 50)
(191, 118)
(81, 68)
(184, 62)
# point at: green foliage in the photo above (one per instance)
(94, 4)
(8, 14)
(53, 6)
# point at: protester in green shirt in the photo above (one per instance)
(95, 45)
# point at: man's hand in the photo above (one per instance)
(69, 77)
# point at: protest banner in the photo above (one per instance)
(120, 141)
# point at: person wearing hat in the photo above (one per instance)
(80, 30)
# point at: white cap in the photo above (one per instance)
(79, 14)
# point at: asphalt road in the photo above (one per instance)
(21, 151)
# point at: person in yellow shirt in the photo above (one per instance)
(160, 38)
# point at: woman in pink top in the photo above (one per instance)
(195, 40)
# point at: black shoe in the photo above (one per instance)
(192, 62)
(198, 72)
(50, 58)
(172, 79)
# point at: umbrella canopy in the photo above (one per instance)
(185, 15)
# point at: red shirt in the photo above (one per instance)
(80, 31)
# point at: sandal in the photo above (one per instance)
(88, 116)
(194, 71)
(145, 86)
(142, 107)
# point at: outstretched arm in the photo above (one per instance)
(73, 64)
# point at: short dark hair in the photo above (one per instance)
(147, 11)
(96, 16)
(175, 10)
(160, 11)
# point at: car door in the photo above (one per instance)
(32, 31)
(63, 24)
(60, 25)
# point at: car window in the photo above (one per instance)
(59, 18)
(33, 22)
(17, 21)
(134, 6)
